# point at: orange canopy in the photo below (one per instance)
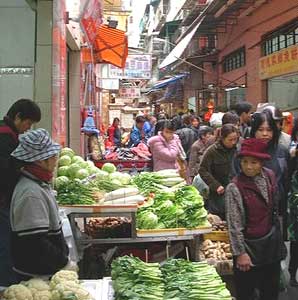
(111, 46)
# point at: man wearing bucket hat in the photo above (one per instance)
(254, 229)
(19, 118)
(37, 242)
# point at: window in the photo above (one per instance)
(234, 60)
(283, 38)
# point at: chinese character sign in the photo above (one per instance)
(279, 63)
(130, 92)
(137, 66)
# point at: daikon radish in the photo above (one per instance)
(121, 193)
(136, 199)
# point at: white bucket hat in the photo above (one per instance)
(35, 145)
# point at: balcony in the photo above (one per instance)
(201, 45)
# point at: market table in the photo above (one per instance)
(129, 211)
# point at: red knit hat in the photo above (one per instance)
(254, 147)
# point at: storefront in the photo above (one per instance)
(279, 67)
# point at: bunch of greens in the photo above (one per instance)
(75, 192)
(148, 182)
(186, 280)
(135, 280)
(184, 208)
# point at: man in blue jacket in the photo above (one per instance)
(137, 134)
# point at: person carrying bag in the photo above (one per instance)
(253, 225)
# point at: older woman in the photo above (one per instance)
(38, 244)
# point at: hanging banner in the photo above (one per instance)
(91, 18)
(138, 66)
(279, 63)
(59, 122)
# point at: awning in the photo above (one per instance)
(176, 53)
(164, 83)
(111, 46)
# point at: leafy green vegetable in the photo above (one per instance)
(135, 279)
(184, 208)
(192, 280)
(74, 192)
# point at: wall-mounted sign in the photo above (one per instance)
(138, 66)
(130, 92)
(279, 63)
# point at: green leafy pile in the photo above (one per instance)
(186, 280)
(135, 280)
(148, 182)
(75, 192)
(177, 279)
(183, 208)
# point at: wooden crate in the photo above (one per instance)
(221, 236)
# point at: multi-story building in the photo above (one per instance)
(234, 50)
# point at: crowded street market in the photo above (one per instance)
(149, 150)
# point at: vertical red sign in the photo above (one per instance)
(59, 126)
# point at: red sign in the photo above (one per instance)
(59, 74)
(91, 19)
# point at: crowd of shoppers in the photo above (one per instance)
(242, 162)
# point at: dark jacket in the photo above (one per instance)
(8, 165)
(216, 170)
(187, 137)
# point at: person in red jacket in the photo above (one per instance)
(114, 133)
(19, 118)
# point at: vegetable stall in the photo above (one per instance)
(112, 209)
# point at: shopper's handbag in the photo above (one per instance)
(181, 161)
(267, 249)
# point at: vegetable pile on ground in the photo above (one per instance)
(215, 250)
(186, 280)
(63, 285)
(165, 180)
(135, 279)
(183, 208)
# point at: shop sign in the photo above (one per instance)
(107, 84)
(59, 88)
(130, 92)
(279, 63)
(138, 66)
(91, 18)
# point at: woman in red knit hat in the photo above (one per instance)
(254, 229)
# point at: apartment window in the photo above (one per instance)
(283, 38)
(234, 60)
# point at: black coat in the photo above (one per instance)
(9, 167)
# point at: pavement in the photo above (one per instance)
(290, 294)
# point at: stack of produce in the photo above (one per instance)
(63, 285)
(129, 195)
(134, 279)
(217, 250)
(177, 279)
(183, 208)
(192, 280)
(72, 166)
(165, 180)
(217, 223)
(109, 227)
(74, 192)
